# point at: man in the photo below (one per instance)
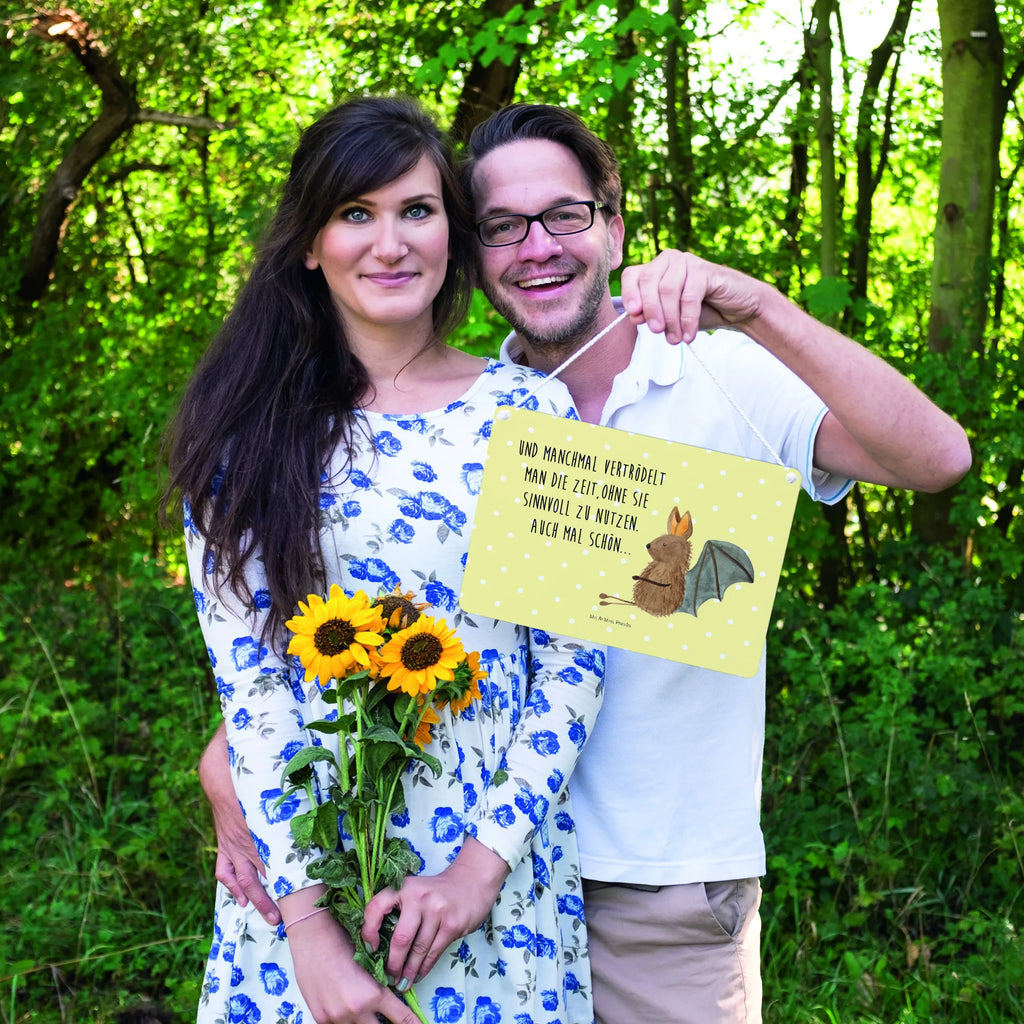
(666, 793)
(667, 790)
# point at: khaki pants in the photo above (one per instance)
(675, 954)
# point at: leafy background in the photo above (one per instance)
(800, 142)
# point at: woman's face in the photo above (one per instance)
(385, 254)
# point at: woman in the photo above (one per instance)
(330, 436)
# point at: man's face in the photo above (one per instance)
(552, 289)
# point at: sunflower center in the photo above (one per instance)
(421, 651)
(334, 637)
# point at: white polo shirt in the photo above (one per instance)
(668, 788)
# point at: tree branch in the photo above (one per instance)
(206, 124)
(119, 112)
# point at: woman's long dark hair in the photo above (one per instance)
(275, 393)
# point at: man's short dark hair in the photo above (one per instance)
(521, 121)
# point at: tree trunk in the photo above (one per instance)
(117, 115)
(620, 106)
(819, 54)
(792, 283)
(869, 173)
(679, 133)
(973, 106)
(486, 89)
(819, 51)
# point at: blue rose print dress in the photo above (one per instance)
(402, 516)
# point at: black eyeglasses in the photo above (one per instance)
(564, 219)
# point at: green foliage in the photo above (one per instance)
(892, 814)
(893, 774)
(827, 298)
(104, 836)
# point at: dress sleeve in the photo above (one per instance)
(564, 694)
(563, 698)
(264, 708)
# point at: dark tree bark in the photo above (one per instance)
(679, 135)
(118, 108)
(119, 112)
(620, 106)
(486, 89)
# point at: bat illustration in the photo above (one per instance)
(669, 585)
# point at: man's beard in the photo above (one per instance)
(565, 337)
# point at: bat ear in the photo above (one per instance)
(684, 524)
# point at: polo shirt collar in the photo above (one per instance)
(653, 358)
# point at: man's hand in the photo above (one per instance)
(238, 864)
(435, 910)
(873, 409)
(680, 293)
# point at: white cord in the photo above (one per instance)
(692, 351)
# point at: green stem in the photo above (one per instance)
(343, 763)
(359, 836)
(414, 1004)
(381, 823)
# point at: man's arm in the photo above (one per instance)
(238, 864)
(880, 427)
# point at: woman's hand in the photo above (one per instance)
(435, 910)
(238, 865)
(336, 989)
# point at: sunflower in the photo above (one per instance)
(399, 610)
(332, 636)
(472, 691)
(418, 656)
(423, 733)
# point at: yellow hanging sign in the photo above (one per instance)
(631, 541)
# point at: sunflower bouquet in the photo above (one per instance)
(390, 669)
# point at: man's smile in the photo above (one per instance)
(541, 282)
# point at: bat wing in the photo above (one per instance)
(719, 566)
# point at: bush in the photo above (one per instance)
(893, 805)
(107, 865)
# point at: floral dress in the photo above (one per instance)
(401, 515)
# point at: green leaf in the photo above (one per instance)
(384, 761)
(430, 761)
(325, 829)
(372, 963)
(381, 695)
(330, 726)
(302, 826)
(297, 771)
(351, 919)
(398, 861)
(827, 298)
(338, 869)
(380, 733)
